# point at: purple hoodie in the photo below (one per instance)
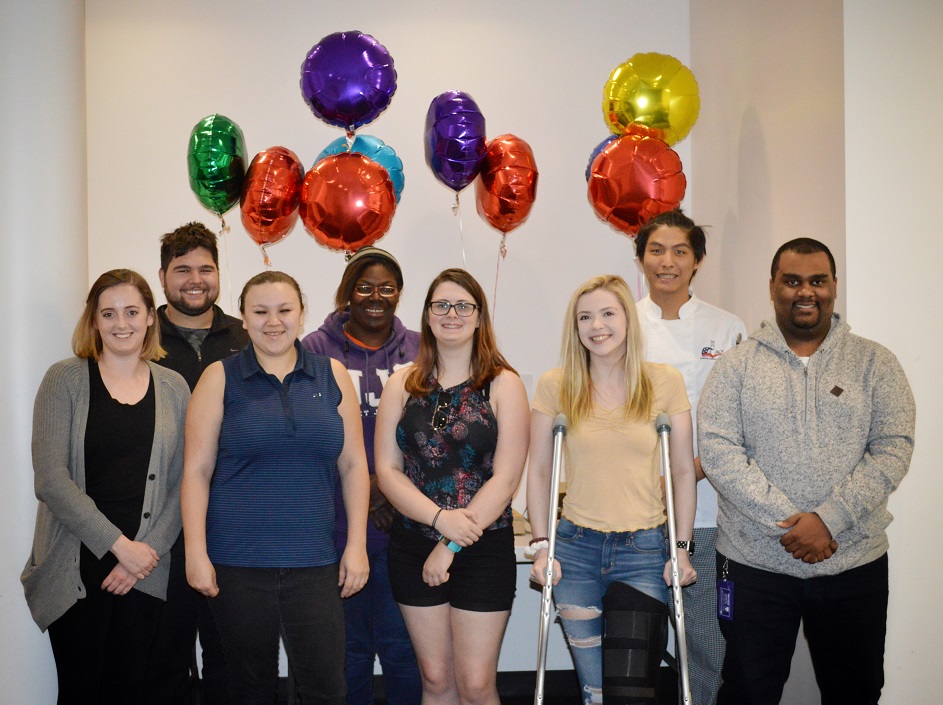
(369, 370)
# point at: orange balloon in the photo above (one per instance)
(271, 195)
(634, 179)
(347, 201)
(507, 183)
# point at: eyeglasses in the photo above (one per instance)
(384, 290)
(443, 405)
(462, 308)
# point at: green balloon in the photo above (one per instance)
(216, 162)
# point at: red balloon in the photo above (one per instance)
(507, 183)
(271, 195)
(634, 179)
(347, 201)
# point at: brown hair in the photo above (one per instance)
(270, 277)
(486, 361)
(185, 239)
(87, 340)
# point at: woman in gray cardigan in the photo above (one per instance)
(107, 457)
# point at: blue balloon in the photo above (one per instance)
(599, 147)
(375, 149)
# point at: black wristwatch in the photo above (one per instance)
(687, 546)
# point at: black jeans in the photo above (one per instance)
(845, 621)
(255, 605)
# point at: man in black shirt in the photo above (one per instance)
(195, 333)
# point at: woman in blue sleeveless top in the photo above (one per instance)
(451, 440)
(270, 432)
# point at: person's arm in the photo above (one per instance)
(681, 455)
(459, 525)
(539, 470)
(887, 454)
(722, 447)
(204, 420)
(355, 487)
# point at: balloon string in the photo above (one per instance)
(265, 259)
(502, 253)
(223, 231)
(456, 210)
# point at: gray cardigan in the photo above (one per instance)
(67, 517)
(777, 438)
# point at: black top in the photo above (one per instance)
(118, 441)
(225, 338)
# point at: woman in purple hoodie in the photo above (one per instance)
(364, 333)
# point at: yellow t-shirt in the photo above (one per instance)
(613, 465)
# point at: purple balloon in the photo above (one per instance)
(348, 79)
(599, 147)
(455, 139)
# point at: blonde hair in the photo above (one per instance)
(576, 389)
(87, 341)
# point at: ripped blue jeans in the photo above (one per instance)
(590, 561)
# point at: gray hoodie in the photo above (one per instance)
(777, 437)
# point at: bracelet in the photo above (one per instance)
(538, 539)
(435, 518)
(451, 545)
(535, 546)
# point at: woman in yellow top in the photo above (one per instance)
(612, 528)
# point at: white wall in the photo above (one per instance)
(894, 148)
(42, 283)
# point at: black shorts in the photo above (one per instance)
(482, 577)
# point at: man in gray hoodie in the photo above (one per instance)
(804, 430)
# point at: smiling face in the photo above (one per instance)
(272, 316)
(191, 282)
(803, 292)
(371, 315)
(452, 328)
(602, 324)
(669, 262)
(122, 320)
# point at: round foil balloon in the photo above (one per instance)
(216, 162)
(653, 95)
(347, 201)
(348, 79)
(595, 153)
(634, 179)
(375, 149)
(271, 195)
(455, 139)
(507, 185)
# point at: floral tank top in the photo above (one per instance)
(448, 441)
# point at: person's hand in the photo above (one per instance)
(381, 512)
(201, 575)
(435, 570)
(460, 526)
(538, 571)
(354, 571)
(808, 539)
(119, 581)
(686, 573)
(137, 557)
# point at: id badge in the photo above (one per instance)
(725, 595)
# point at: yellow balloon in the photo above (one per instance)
(653, 95)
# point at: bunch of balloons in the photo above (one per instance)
(348, 198)
(650, 102)
(458, 153)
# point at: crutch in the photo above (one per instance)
(546, 604)
(663, 427)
